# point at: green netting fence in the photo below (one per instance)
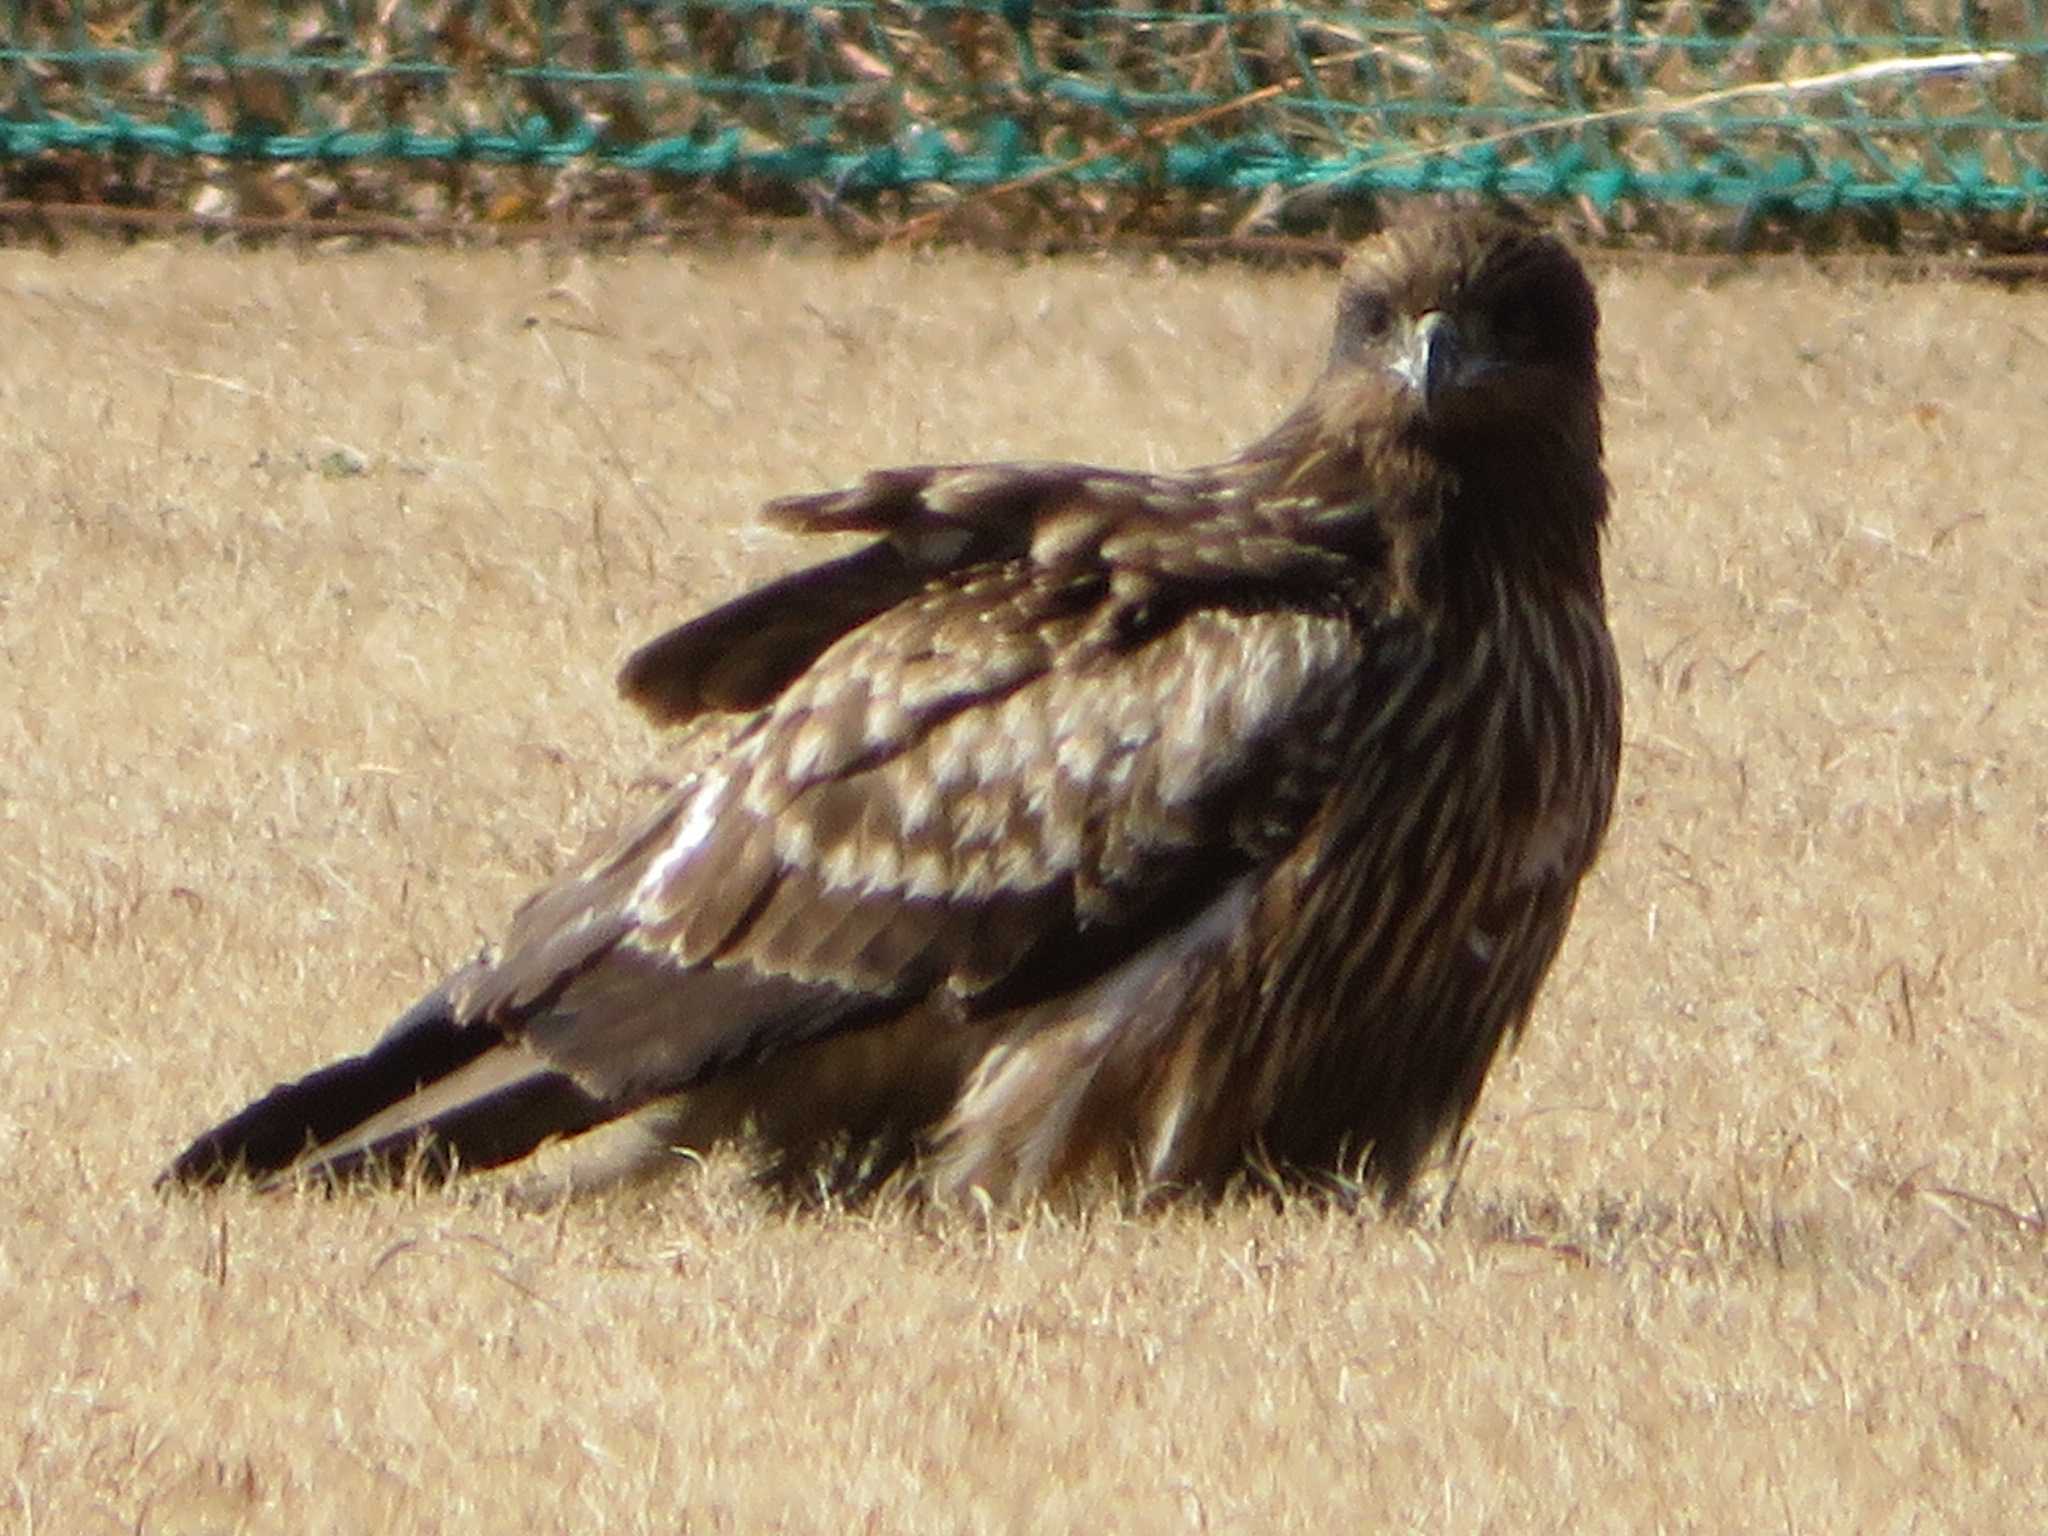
(1896, 119)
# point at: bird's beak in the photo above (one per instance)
(1432, 359)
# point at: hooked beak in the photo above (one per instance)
(1433, 358)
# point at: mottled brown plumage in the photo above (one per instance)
(1089, 821)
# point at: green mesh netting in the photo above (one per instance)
(1236, 115)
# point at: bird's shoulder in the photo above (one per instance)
(986, 550)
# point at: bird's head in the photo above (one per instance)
(1468, 326)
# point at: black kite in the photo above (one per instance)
(1089, 821)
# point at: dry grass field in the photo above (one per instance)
(315, 571)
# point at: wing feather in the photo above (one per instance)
(1004, 783)
(943, 519)
(741, 655)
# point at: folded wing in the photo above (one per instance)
(975, 766)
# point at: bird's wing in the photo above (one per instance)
(934, 521)
(1105, 697)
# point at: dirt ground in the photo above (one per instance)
(315, 573)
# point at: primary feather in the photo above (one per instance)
(1089, 821)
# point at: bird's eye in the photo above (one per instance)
(1368, 316)
(1364, 320)
(1517, 329)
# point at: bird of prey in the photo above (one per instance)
(1086, 822)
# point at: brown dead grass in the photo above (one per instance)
(315, 574)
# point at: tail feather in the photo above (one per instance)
(433, 1095)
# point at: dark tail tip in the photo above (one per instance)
(280, 1129)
